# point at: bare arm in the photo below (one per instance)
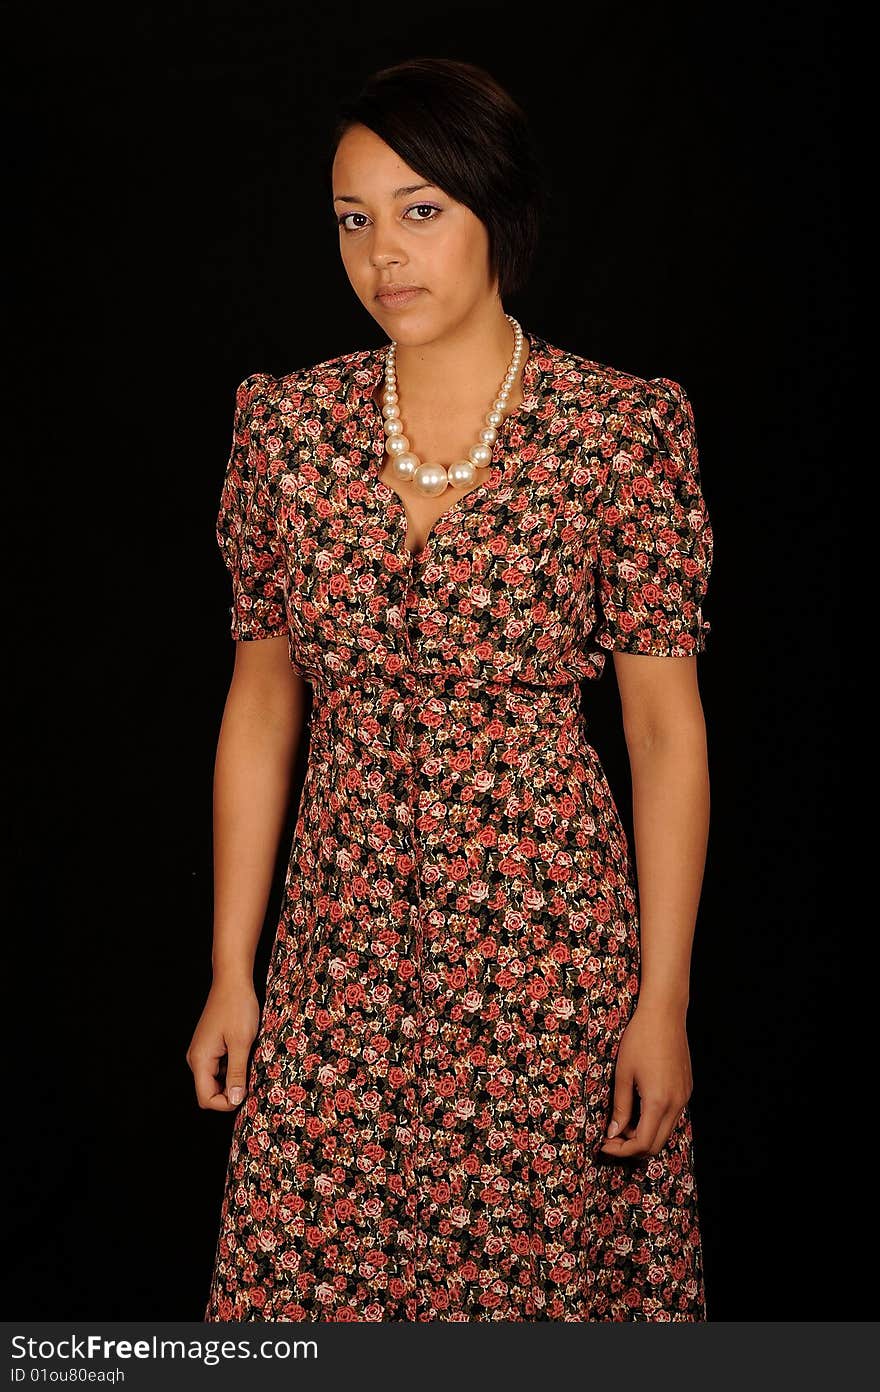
(256, 752)
(666, 741)
(253, 771)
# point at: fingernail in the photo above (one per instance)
(236, 1094)
(613, 1129)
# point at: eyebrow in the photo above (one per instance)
(398, 193)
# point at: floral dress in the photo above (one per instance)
(457, 953)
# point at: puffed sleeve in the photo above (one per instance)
(655, 541)
(246, 529)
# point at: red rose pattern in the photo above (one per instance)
(457, 953)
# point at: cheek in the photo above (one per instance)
(357, 268)
(474, 253)
(459, 257)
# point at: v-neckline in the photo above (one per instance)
(373, 365)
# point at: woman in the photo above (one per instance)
(468, 1093)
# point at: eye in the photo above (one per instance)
(422, 207)
(429, 208)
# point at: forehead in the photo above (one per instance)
(363, 155)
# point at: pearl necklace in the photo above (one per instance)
(433, 479)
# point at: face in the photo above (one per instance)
(395, 228)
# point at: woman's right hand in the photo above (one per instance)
(224, 1035)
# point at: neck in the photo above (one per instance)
(467, 365)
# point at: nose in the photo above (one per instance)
(382, 259)
(385, 250)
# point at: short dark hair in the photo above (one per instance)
(459, 129)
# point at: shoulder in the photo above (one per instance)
(614, 389)
(641, 416)
(311, 383)
(643, 422)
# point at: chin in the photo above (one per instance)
(411, 328)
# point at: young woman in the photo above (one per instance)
(467, 1097)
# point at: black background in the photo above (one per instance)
(172, 234)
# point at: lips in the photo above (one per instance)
(395, 288)
(394, 299)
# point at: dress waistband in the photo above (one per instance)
(421, 693)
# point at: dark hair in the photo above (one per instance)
(459, 129)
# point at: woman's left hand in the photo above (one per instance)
(653, 1060)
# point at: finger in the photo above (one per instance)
(640, 1143)
(624, 1113)
(632, 1126)
(621, 1111)
(208, 1089)
(236, 1072)
(664, 1131)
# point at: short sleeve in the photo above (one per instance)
(655, 541)
(247, 533)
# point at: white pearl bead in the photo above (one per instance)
(403, 466)
(433, 479)
(430, 479)
(461, 473)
